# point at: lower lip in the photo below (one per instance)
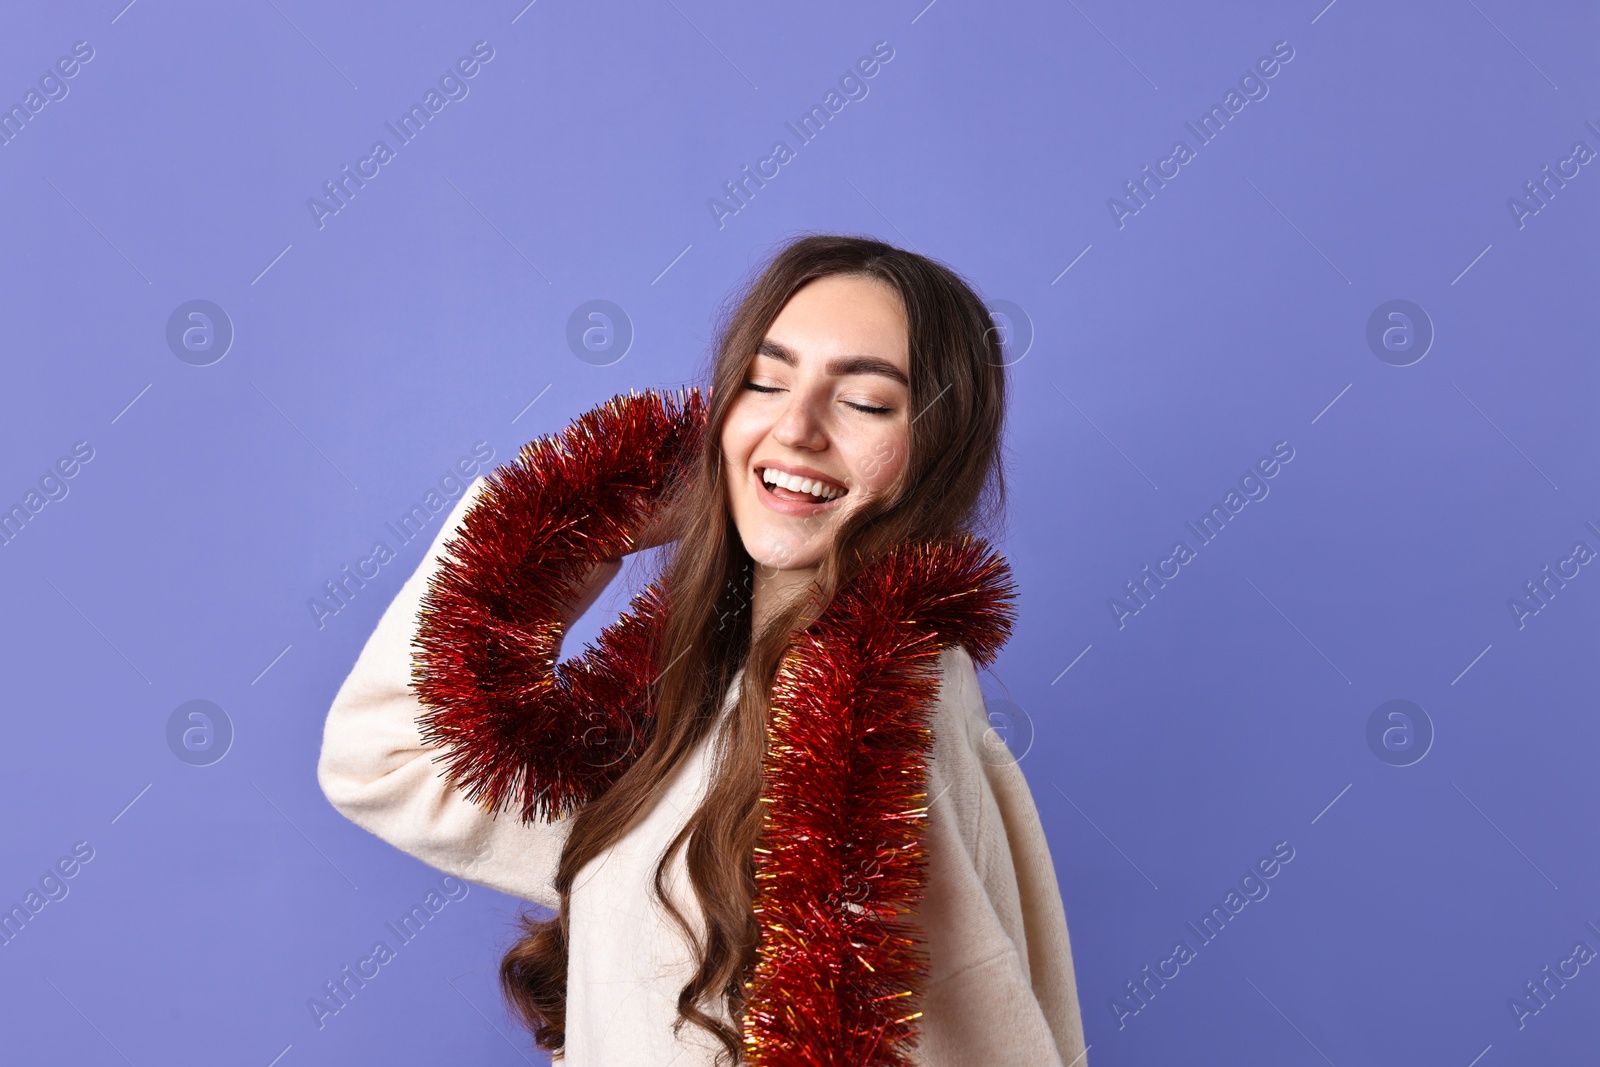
(791, 507)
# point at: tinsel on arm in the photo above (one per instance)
(519, 730)
(841, 862)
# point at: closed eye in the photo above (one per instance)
(865, 408)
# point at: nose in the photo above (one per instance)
(800, 425)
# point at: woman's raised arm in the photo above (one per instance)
(377, 771)
(457, 708)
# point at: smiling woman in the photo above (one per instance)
(829, 388)
(769, 825)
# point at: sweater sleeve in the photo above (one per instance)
(376, 770)
(1001, 986)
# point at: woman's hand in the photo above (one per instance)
(652, 535)
(654, 532)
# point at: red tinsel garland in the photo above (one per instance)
(519, 728)
(840, 864)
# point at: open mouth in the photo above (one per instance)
(801, 490)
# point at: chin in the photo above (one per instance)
(771, 568)
(772, 551)
(779, 543)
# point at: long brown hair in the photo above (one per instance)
(953, 481)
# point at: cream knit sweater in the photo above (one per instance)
(1001, 988)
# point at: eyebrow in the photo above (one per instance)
(841, 365)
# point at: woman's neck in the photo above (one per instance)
(772, 591)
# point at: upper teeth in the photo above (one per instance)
(800, 485)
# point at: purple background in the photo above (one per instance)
(1229, 313)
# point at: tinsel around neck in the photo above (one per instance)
(840, 862)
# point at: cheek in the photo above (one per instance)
(880, 460)
(737, 442)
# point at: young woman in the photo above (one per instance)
(765, 805)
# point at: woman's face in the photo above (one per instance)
(826, 401)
